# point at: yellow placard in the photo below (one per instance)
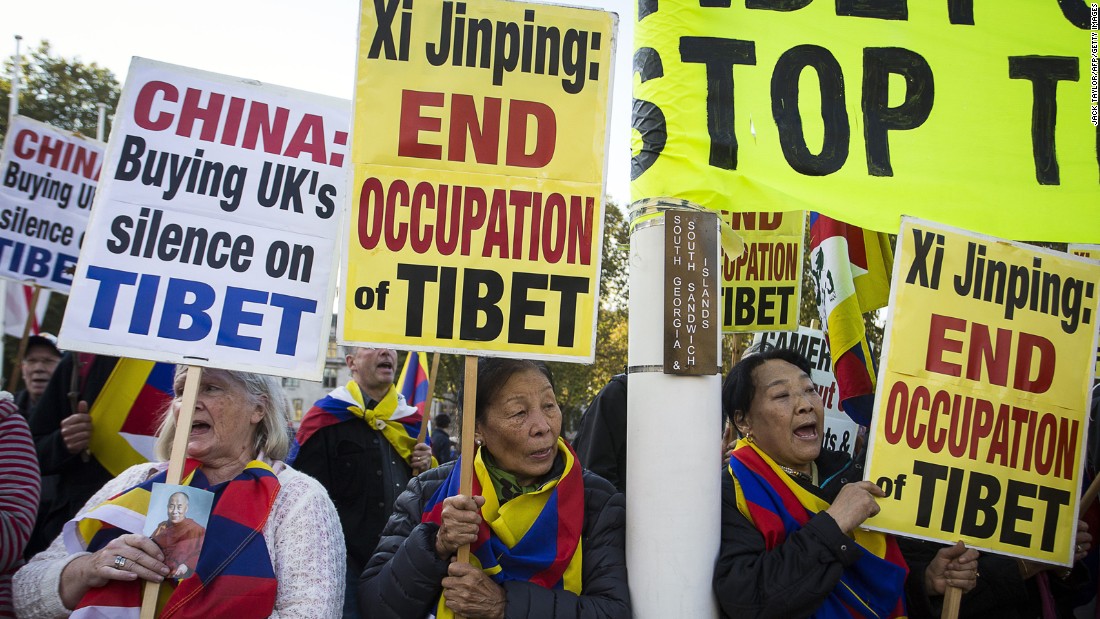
(479, 163)
(981, 409)
(1092, 252)
(762, 288)
(974, 114)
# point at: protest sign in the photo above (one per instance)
(49, 183)
(1092, 252)
(840, 430)
(865, 111)
(981, 409)
(478, 153)
(211, 242)
(762, 288)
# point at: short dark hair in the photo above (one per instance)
(738, 388)
(442, 420)
(493, 373)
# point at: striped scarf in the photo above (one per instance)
(874, 586)
(398, 422)
(535, 537)
(234, 576)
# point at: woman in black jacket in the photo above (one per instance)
(533, 515)
(791, 511)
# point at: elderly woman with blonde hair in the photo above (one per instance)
(273, 545)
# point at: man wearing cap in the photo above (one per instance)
(39, 362)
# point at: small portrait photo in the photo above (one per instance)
(176, 522)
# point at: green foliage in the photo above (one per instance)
(63, 92)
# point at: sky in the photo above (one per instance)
(310, 46)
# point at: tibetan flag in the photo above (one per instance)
(128, 411)
(873, 586)
(413, 382)
(851, 269)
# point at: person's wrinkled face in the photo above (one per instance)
(373, 368)
(38, 366)
(786, 417)
(225, 420)
(521, 426)
(177, 508)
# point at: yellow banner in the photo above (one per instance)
(968, 113)
(478, 156)
(1092, 252)
(982, 404)
(762, 288)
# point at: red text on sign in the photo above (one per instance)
(480, 130)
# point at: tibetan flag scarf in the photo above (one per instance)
(234, 576)
(777, 506)
(398, 422)
(534, 537)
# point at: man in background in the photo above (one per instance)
(359, 441)
(442, 448)
(601, 439)
(38, 365)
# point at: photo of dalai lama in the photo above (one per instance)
(179, 537)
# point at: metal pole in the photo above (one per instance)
(17, 70)
(101, 121)
(674, 434)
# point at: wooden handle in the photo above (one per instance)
(951, 600)
(466, 474)
(1090, 494)
(186, 413)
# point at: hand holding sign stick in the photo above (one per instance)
(175, 468)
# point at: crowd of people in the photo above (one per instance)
(355, 516)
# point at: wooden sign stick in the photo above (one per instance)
(13, 380)
(175, 467)
(428, 400)
(951, 600)
(466, 475)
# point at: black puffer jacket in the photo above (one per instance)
(795, 577)
(402, 579)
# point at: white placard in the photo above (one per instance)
(215, 233)
(48, 182)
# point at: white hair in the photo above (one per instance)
(272, 433)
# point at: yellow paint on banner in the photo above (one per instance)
(966, 113)
(762, 288)
(479, 163)
(982, 407)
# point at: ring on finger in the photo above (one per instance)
(120, 562)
